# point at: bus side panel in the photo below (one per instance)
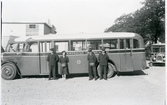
(126, 63)
(44, 64)
(28, 63)
(115, 58)
(139, 61)
(78, 63)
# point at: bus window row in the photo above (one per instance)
(75, 45)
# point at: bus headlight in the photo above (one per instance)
(154, 59)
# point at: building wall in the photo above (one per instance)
(34, 31)
(24, 30)
(47, 30)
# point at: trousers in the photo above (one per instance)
(52, 72)
(103, 71)
(92, 71)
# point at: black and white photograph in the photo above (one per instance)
(83, 52)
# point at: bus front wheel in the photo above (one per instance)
(9, 71)
(110, 72)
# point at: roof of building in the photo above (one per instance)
(27, 23)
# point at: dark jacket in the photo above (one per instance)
(52, 59)
(103, 59)
(64, 60)
(91, 58)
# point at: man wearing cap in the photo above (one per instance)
(52, 58)
(103, 62)
(92, 64)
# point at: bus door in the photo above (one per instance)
(44, 51)
(126, 59)
(28, 58)
(78, 59)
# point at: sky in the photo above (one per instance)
(69, 16)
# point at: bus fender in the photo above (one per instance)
(18, 70)
(110, 61)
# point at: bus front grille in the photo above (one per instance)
(159, 58)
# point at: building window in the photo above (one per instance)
(32, 29)
(32, 26)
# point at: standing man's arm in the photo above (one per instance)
(59, 60)
(95, 59)
(67, 59)
(56, 58)
(99, 58)
(107, 58)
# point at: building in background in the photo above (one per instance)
(27, 28)
(19, 29)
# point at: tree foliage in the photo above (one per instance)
(149, 21)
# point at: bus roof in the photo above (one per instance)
(158, 44)
(77, 36)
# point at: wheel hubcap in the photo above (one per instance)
(7, 71)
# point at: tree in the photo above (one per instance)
(149, 21)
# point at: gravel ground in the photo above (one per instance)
(138, 88)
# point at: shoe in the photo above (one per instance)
(105, 78)
(96, 78)
(101, 78)
(49, 79)
(90, 78)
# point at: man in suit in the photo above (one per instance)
(103, 62)
(52, 58)
(92, 64)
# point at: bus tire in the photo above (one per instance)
(110, 72)
(9, 71)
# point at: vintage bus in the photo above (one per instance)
(157, 54)
(27, 55)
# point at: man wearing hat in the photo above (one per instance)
(92, 64)
(52, 58)
(103, 62)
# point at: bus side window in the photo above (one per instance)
(110, 44)
(34, 47)
(135, 43)
(21, 47)
(78, 45)
(48, 46)
(61, 46)
(94, 44)
(42, 46)
(45, 46)
(12, 48)
(127, 43)
(121, 43)
(27, 47)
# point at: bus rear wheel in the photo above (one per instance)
(9, 71)
(110, 72)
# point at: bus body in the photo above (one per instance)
(27, 55)
(157, 54)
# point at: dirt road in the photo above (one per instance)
(139, 88)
